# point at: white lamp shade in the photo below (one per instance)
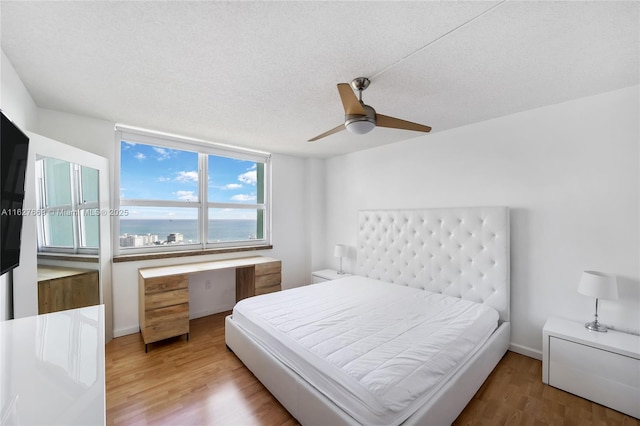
(340, 250)
(598, 285)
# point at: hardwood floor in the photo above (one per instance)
(200, 382)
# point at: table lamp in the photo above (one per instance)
(340, 251)
(600, 286)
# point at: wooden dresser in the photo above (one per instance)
(163, 292)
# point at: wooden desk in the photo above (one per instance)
(163, 292)
(61, 288)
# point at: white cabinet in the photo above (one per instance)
(601, 367)
(53, 369)
(327, 275)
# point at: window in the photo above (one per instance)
(67, 197)
(182, 194)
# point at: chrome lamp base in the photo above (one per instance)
(596, 326)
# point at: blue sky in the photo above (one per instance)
(157, 173)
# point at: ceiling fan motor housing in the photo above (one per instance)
(361, 124)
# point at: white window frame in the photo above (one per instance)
(75, 209)
(204, 149)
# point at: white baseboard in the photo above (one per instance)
(207, 312)
(126, 330)
(526, 351)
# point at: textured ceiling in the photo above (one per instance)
(264, 74)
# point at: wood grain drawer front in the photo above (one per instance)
(167, 298)
(269, 289)
(169, 314)
(268, 268)
(267, 280)
(160, 284)
(601, 376)
(164, 330)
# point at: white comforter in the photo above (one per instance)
(377, 350)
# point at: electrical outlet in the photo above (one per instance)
(207, 284)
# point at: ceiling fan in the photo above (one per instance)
(360, 118)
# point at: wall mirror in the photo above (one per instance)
(68, 234)
(65, 244)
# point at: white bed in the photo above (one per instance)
(321, 361)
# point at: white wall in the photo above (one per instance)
(15, 100)
(316, 202)
(16, 103)
(570, 174)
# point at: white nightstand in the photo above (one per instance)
(327, 275)
(601, 367)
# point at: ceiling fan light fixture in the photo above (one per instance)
(360, 127)
(360, 118)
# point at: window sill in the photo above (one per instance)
(86, 258)
(186, 253)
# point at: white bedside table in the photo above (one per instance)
(601, 367)
(327, 275)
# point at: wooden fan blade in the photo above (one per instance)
(330, 132)
(350, 102)
(396, 123)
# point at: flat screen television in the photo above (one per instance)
(14, 146)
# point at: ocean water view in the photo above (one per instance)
(219, 229)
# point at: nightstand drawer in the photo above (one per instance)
(601, 367)
(327, 275)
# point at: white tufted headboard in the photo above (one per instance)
(461, 252)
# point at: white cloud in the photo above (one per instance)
(184, 176)
(243, 197)
(250, 177)
(232, 186)
(186, 195)
(140, 156)
(163, 153)
(163, 179)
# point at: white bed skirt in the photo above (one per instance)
(310, 407)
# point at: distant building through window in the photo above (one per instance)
(174, 238)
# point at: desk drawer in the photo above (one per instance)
(169, 314)
(267, 280)
(164, 330)
(269, 289)
(160, 284)
(167, 298)
(268, 268)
